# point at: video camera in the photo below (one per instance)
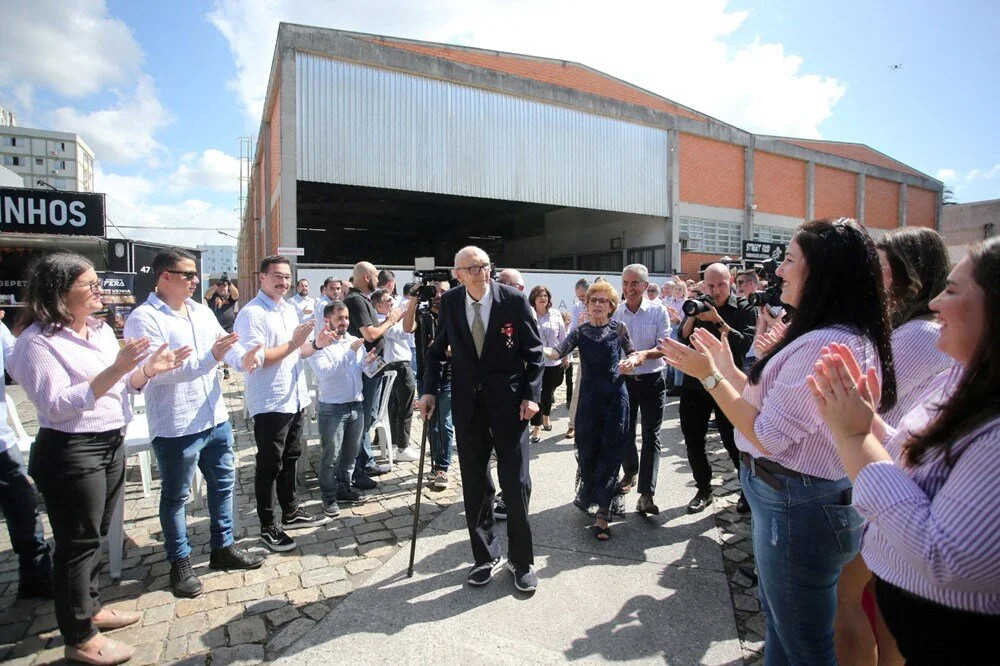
(426, 290)
(224, 279)
(772, 295)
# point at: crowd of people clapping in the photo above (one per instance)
(862, 416)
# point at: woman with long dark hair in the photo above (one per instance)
(74, 371)
(932, 493)
(914, 264)
(552, 330)
(804, 527)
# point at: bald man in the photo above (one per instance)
(727, 315)
(512, 278)
(496, 377)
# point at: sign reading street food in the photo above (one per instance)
(29, 211)
(759, 251)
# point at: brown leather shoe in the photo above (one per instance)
(115, 619)
(112, 652)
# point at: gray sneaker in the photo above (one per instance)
(331, 509)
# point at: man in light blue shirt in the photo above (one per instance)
(187, 418)
(277, 397)
(332, 290)
(20, 503)
(647, 324)
(304, 304)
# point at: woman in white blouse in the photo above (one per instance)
(552, 329)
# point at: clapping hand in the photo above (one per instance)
(357, 344)
(223, 344)
(325, 338)
(131, 354)
(301, 333)
(846, 398)
(165, 360)
(250, 360)
(695, 362)
(765, 341)
(718, 348)
(371, 357)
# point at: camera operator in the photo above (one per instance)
(442, 432)
(737, 318)
(221, 298)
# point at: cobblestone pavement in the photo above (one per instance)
(248, 617)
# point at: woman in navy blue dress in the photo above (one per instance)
(606, 353)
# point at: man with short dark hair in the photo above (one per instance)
(277, 396)
(187, 416)
(397, 355)
(746, 282)
(329, 292)
(303, 303)
(387, 281)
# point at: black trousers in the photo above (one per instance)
(404, 389)
(569, 382)
(20, 509)
(932, 634)
(646, 394)
(279, 445)
(695, 410)
(551, 379)
(475, 444)
(80, 475)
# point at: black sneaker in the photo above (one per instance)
(646, 506)
(300, 519)
(483, 573)
(500, 509)
(232, 557)
(365, 482)
(276, 540)
(183, 582)
(700, 501)
(525, 579)
(351, 496)
(378, 469)
(331, 509)
(741, 504)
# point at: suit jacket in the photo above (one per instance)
(510, 369)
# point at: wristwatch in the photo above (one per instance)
(712, 380)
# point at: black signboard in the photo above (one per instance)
(29, 211)
(118, 299)
(760, 251)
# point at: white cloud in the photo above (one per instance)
(948, 176)
(951, 176)
(71, 46)
(123, 133)
(212, 169)
(674, 48)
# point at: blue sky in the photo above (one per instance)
(162, 91)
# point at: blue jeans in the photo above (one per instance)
(442, 432)
(340, 437)
(371, 391)
(678, 375)
(803, 534)
(20, 509)
(212, 451)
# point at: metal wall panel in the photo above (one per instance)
(360, 125)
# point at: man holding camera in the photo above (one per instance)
(722, 313)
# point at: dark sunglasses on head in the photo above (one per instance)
(188, 275)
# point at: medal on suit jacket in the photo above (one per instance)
(508, 330)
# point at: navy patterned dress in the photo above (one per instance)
(602, 412)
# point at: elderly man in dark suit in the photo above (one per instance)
(496, 364)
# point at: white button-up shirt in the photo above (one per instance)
(486, 304)
(338, 371)
(579, 307)
(318, 310)
(645, 326)
(279, 387)
(552, 331)
(397, 342)
(187, 400)
(301, 304)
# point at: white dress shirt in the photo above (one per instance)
(552, 331)
(645, 326)
(397, 342)
(318, 310)
(8, 438)
(484, 309)
(579, 307)
(338, 371)
(279, 387)
(187, 400)
(303, 303)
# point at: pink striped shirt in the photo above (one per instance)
(55, 372)
(932, 530)
(917, 361)
(789, 425)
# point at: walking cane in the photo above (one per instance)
(416, 508)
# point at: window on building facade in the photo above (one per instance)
(59, 164)
(603, 262)
(13, 160)
(39, 161)
(653, 258)
(773, 234)
(10, 141)
(713, 236)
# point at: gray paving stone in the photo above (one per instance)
(318, 577)
(238, 656)
(247, 630)
(290, 633)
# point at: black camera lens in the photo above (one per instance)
(696, 306)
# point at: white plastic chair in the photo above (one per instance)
(381, 423)
(24, 440)
(137, 442)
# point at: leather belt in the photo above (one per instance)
(766, 470)
(644, 376)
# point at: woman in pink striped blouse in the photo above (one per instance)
(931, 495)
(71, 367)
(915, 265)
(804, 527)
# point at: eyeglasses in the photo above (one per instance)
(600, 301)
(284, 277)
(94, 287)
(475, 270)
(188, 275)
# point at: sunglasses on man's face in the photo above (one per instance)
(188, 275)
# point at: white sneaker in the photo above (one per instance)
(409, 454)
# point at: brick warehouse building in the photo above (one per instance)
(384, 149)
